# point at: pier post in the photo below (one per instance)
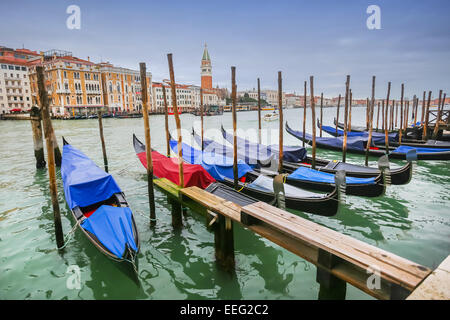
(331, 287)
(259, 112)
(321, 113)
(280, 134)
(177, 209)
(438, 117)
(148, 143)
(386, 123)
(371, 108)
(337, 113)
(313, 116)
(224, 243)
(367, 113)
(102, 139)
(344, 144)
(304, 116)
(202, 110)
(378, 114)
(427, 118)
(177, 120)
(400, 131)
(350, 111)
(35, 116)
(48, 129)
(233, 109)
(166, 120)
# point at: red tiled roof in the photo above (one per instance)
(13, 60)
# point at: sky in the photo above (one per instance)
(324, 39)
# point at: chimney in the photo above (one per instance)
(89, 59)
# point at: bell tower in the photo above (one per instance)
(205, 68)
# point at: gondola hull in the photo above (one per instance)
(433, 144)
(325, 206)
(376, 150)
(93, 197)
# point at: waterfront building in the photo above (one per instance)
(74, 85)
(15, 92)
(123, 88)
(184, 94)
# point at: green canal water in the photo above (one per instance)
(410, 220)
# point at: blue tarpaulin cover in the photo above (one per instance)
(308, 174)
(377, 137)
(217, 165)
(84, 182)
(264, 183)
(290, 153)
(113, 227)
(405, 149)
(250, 155)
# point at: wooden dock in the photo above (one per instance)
(339, 259)
(436, 286)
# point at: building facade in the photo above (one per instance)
(15, 91)
(74, 85)
(123, 88)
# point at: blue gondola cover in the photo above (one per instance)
(405, 149)
(113, 227)
(308, 174)
(290, 153)
(218, 166)
(84, 182)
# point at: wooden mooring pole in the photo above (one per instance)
(427, 118)
(280, 111)
(337, 113)
(148, 144)
(313, 122)
(102, 139)
(224, 243)
(350, 111)
(202, 111)
(259, 112)
(372, 106)
(176, 206)
(400, 130)
(438, 117)
(35, 116)
(386, 123)
(321, 113)
(304, 116)
(344, 144)
(331, 287)
(166, 120)
(422, 118)
(49, 134)
(378, 114)
(233, 109)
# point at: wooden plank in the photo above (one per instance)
(436, 286)
(305, 238)
(392, 268)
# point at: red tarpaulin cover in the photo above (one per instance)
(163, 167)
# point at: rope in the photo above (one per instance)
(70, 234)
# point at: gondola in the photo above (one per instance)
(259, 186)
(399, 176)
(99, 208)
(358, 145)
(379, 138)
(194, 175)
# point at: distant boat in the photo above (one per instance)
(268, 109)
(271, 116)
